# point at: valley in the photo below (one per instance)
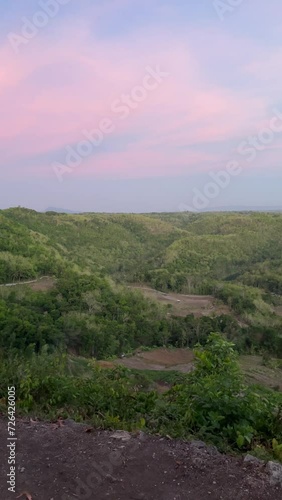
(165, 323)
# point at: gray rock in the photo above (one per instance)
(275, 471)
(122, 435)
(143, 436)
(198, 444)
(71, 423)
(253, 460)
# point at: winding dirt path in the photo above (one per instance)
(42, 283)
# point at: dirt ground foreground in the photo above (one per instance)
(74, 462)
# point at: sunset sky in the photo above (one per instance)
(170, 91)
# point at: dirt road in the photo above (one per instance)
(40, 284)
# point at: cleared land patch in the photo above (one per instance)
(182, 305)
(181, 360)
(160, 360)
(257, 373)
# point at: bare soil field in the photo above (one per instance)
(70, 461)
(181, 360)
(182, 305)
(160, 359)
(278, 310)
(43, 284)
(256, 372)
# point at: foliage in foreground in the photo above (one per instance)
(218, 406)
(212, 403)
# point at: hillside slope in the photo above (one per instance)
(180, 249)
(234, 257)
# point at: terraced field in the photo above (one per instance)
(181, 360)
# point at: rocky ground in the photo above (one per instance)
(68, 461)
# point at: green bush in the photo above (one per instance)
(215, 403)
(212, 402)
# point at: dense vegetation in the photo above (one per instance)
(181, 252)
(91, 312)
(90, 317)
(212, 402)
(235, 257)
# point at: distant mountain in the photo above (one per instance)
(243, 209)
(60, 210)
(231, 208)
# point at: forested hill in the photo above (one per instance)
(50, 335)
(188, 253)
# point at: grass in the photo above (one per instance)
(257, 373)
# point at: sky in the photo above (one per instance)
(140, 105)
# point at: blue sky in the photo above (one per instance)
(93, 59)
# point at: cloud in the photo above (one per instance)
(67, 80)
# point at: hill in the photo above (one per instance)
(111, 285)
(234, 257)
(176, 251)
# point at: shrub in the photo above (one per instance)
(215, 403)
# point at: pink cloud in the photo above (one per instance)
(141, 162)
(50, 93)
